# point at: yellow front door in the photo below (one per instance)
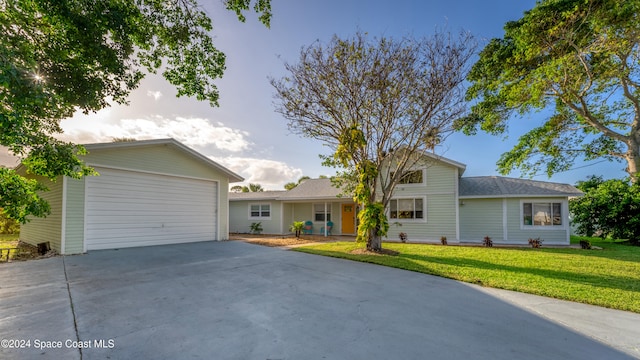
(348, 219)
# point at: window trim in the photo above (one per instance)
(260, 217)
(563, 211)
(424, 178)
(314, 213)
(413, 220)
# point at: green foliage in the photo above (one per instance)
(608, 208)
(60, 56)
(297, 227)
(372, 221)
(250, 188)
(19, 196)
(291, 185)
(585, 244)
(256, 228)
(577, 61)
(8, 225)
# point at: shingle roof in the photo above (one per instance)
(258, 195)
(313, 189)
(497, 186)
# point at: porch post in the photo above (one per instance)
(325, 219)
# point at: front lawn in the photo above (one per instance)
(609, 277)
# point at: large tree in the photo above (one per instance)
(61, 56)
(608, 208)
(577, 61)
(378, 103)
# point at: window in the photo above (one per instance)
(318, 211)
(260, 211)
(406, 209)
(542, 214)
(411, 177)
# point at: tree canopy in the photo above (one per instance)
(61, 56)
(376, 103)
(246, 189)
(608, 208)
(578, 60)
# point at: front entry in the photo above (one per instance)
(348, 219)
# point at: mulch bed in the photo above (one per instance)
(377, 253)
(272, 240)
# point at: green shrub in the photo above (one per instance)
(535, 243)
(297, 228)
(256, 228)
(7, 225)
(487, 241)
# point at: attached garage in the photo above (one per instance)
(152, 192)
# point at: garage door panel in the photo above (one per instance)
(126, 208)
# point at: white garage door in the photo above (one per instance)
(126, 209)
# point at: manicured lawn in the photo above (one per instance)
(609, 277)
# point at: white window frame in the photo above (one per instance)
(413, 220)
(330, 218)
(260, 205)
(424, 179)
(563, 211)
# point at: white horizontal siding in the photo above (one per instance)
(126, 208)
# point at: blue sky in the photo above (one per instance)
(247, 136)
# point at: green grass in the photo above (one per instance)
(6, 242)
(609, 277)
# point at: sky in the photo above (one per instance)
(247, 136)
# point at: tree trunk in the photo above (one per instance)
(374, 242)
(633, 161)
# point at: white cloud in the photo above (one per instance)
(154, 94)
(194, 132)
(271, 174)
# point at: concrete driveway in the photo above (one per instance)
(232, 300)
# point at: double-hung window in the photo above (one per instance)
(319, 211)
(407, 209)
(259, 211)
(542, 214)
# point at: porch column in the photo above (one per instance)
(325, 219)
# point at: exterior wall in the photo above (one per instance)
(166, 159)
(551, 235)
(480, 218)
(501, 219)
(439, 192)
(39, 230)
(241, 223)
(282, 216)
(74, 221)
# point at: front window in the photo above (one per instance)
(410, 209)
(542, 214)
(260, 211)
(411, 177)
(318, 210)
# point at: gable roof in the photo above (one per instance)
(310, 189)
(233, 177)
(498, 186)
(313, 189)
